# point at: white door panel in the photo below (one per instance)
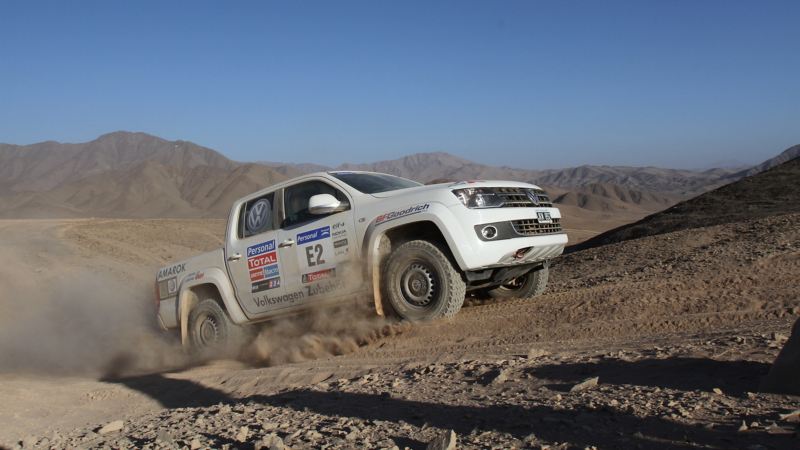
(253, 259)
(323, 261)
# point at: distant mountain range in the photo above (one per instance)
(773, 191)
(431, 167)
(124, 174)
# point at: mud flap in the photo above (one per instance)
(376, 287)
(381, 247)
(188, 300)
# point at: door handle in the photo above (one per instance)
(286, 243)
(235, 257)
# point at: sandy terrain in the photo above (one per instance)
(663, 321)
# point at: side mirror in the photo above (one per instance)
(323, 204)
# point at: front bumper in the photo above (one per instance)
(477, 253)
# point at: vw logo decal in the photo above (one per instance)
(533, 197)
(258, 216)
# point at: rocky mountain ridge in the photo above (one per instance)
(126, 174)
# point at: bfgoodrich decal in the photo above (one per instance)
(402, 213)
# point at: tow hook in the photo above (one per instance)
(522, 252)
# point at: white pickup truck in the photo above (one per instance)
(332, 236)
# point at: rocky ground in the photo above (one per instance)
(658, 342)
(683, 395)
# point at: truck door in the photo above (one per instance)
(318, 251)
(253, 259)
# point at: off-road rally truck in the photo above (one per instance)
(324, 238)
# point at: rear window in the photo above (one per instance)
(373, 183)
(257, 216)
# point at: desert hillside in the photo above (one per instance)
(427, 167)
(667, 335)
(136, 175)
(775, 191)
(658, 342)
(123, 174)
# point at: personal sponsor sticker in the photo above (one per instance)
(314, 235)
(260, 249)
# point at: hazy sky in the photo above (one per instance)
(529, 84)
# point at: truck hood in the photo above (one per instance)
(454, 185)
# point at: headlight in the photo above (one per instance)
(478, 198)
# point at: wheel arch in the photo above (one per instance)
(381, 241)
(212, 283)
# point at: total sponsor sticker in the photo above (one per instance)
(262, 260)
(319, 275)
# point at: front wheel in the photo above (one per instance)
(531, 284)
(420, 282)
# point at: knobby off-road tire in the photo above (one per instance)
(420, 283)
(212, 334)
(531, 284)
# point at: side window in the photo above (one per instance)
(256, 216)
(295, 201)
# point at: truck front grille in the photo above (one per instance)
(518, 197)
(530, 227)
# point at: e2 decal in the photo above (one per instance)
(315, 251)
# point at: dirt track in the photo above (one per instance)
(662, 321)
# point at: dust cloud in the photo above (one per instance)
(89, 324)
(319, 333)
(322, 331)
(83, 324)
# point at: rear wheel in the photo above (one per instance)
(211, 332)
(420, 282)
(531, 284)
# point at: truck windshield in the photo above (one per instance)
(373, 183)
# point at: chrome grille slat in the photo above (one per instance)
(517, 198)
(531, 227)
